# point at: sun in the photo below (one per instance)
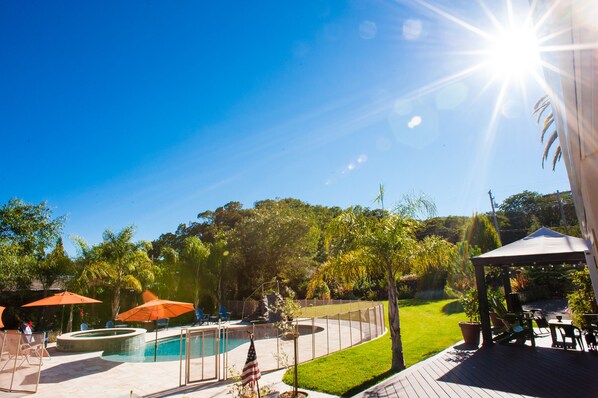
(513, 52)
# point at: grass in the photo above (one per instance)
(427, 327)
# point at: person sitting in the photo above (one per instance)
(28, 331)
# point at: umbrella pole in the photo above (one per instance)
(156, 343)
(61, 319)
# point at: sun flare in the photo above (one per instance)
(513, 52)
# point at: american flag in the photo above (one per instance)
(251, 371)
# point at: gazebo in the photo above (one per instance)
(543, 247)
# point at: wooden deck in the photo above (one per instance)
(497, 371)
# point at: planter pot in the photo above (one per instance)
(289, 394)
(471, 332)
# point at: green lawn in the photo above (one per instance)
(427, 327)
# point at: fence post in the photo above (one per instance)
(340, 345)
(370, 323)
(351, 328)
(313, 338)
(327, 337)
(360, 325)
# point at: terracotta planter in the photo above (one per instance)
(471, 332)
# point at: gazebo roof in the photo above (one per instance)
(543, 247)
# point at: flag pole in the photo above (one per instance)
(257, 382)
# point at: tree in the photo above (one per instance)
(193, 260)
(480, 233)
(218, 267)
(364, 244)
(15, 268)
(26, 231)
(30, 228)
(55, 266)
(127, 263)
(279, 240)
(540, 107)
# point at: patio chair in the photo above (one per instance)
(200, 317)
(224, 314)
(109, 324)
(162, 323)
(84, 326)
(541, 322)
(518, 326)
(571, 332)
(24, 347)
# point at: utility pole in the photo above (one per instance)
(494, 214)
(563, 219)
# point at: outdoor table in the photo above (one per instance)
(553, 324)
(213, 319)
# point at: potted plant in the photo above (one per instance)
(495, 298)
(471, 329)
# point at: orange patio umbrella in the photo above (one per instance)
(154, 310)
(62, 299)
(1, 311)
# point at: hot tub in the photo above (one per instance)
(110, 340)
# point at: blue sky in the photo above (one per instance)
(148, 113)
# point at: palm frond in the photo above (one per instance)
(557, 156)
(551, 141)
(546, 125)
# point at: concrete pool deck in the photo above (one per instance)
(87, 374)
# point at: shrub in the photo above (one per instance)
(405, 292)
(582, 301)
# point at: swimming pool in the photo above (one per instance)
(169, 349)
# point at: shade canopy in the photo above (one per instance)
(62, 299)
(154, 310)
(1, 311)
(543, 247)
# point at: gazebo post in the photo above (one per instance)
(506, 282)
(483, 300)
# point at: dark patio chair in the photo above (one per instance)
(571, 332)
(518, 328)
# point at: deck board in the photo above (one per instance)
(499, 371)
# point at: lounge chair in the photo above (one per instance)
(200, 317)
(17, 346)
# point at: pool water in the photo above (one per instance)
(169, 350)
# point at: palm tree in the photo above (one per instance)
(193, 258)
(127, 263)
(374, 243)
(540, 107)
